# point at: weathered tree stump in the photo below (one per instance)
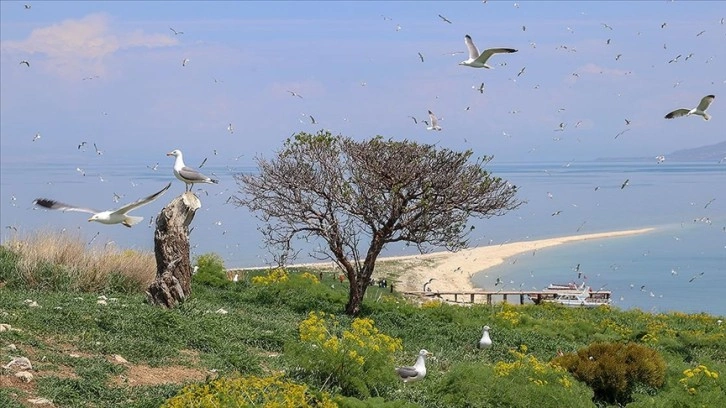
(172, 284)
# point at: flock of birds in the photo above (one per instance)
(417, 371)
(187, 175)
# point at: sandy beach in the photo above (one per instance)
(452, 271)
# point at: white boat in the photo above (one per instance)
(573, 295)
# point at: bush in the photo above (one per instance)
(354, 360)
(524, 382)
(614, 370)
(211, 271)
(249, 391)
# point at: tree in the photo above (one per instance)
(359, 196)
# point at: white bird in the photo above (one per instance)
(485, 341)
(415, 372)
(187, 174)
(425, 285)
(699, 110)
(118, 216)
(236, 277)
(434, 122)
(477, 60)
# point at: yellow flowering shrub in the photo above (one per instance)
(537, 372)
(273, 276)
(249, 391)
(509, 315)
(355, 359)
(309, 276)
(697, 377)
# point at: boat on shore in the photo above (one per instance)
(573, 295)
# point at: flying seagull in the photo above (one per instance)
(118, 216)
(485, 341)
(446, 20)
(25, 62)
(421, 57)
(176, 32)
(434, 122)
(625, 183)
(477, 60)
(415, 372)
(187, 174)
(699, 110)
(480, 88)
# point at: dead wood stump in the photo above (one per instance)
(172, 284)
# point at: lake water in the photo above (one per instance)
(684, 202)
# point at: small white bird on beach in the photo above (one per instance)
(699, 110)
(118, 216)
(477, 60)
(485, 341)
(415, 372)
(187, 174)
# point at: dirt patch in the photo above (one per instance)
(140, 375)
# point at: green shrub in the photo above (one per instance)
(211, 271)
(354, 360)
(524, 382)
(249, 391)
(378, 402)
(613, 370)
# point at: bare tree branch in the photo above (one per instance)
(359, 196)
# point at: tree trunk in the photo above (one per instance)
(172, 284)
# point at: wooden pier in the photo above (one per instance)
(470, 296)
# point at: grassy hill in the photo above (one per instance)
(282, 332)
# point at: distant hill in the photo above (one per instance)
(710, 153)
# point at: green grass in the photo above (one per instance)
(71, 341)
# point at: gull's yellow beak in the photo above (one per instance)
(170, 154)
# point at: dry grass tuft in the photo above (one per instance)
(61, 261)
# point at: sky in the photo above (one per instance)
(112, 73)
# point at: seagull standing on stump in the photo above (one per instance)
(187, 174)
(415, 372)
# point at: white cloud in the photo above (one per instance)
(74, 47)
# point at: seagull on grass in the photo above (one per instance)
(477, 60)
(415, 372)
(699, 110)
(485, 341)
(434, 122)
(187, 174)
(118, 216)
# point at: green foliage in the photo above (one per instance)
(377, 402)
(354, 360)
(525, 382)
(8, 265)
(249, 391)
(211, 271)
(613, 370)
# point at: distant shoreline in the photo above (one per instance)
(452, 271)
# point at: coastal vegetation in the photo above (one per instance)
(359, 196)
(278, 338)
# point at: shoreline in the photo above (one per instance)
(452, 271)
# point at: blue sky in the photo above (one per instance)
(111, 73)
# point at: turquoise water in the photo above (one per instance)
(684, 202)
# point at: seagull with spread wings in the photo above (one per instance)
(477, 60)
(434, 122)
(699, 110)
(118, 216)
